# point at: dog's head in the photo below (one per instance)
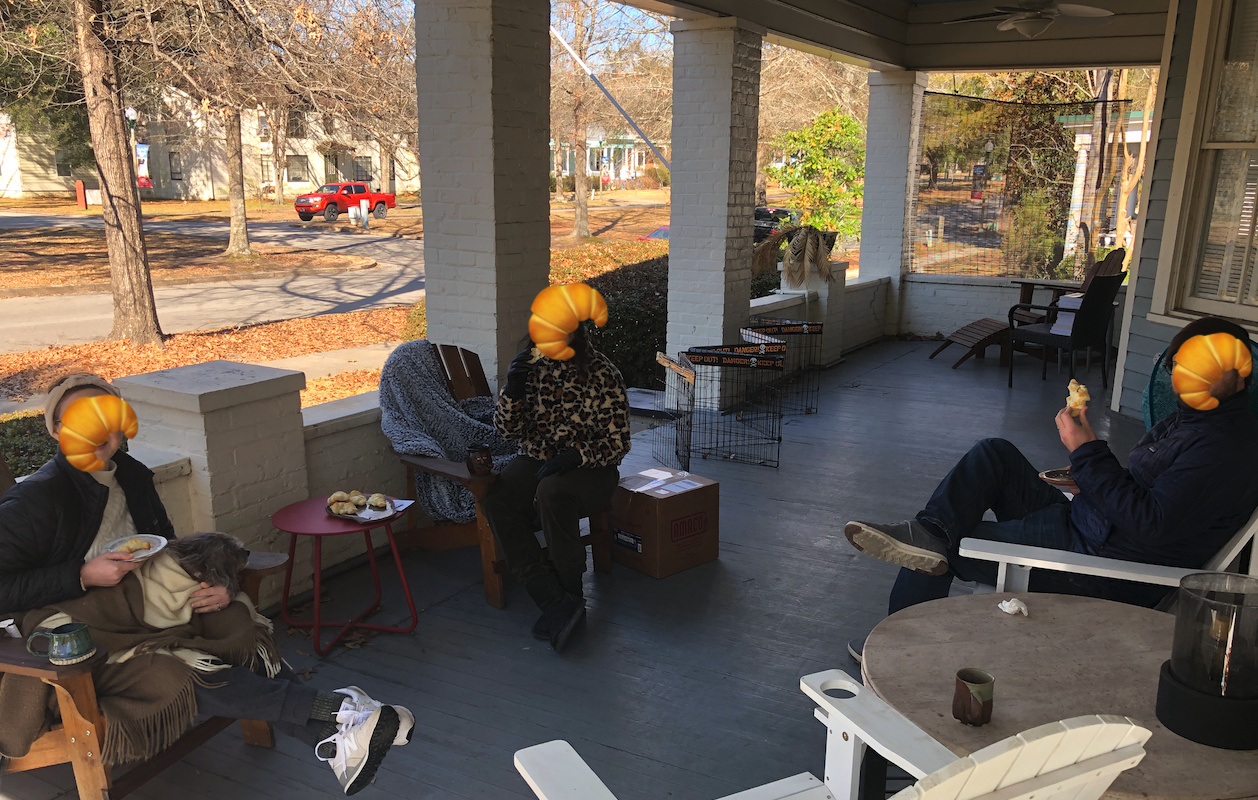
(211, 557)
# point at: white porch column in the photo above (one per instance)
(891, 157)
(240, 426)
(716, 106)
(483, 75)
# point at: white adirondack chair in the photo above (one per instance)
(1075, 759)
(1015, 562)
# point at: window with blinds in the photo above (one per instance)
(1224, 279)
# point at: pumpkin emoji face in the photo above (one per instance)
(1202, 361)
(557, 311)
(86, 425)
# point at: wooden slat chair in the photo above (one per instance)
(1075, 759)
(465, 378)
(77, 739)
(1112, 264)
(1015, 561)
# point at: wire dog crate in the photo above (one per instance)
(737, 404)
(800, 382)
(670, 444)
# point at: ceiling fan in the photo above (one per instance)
(1032, 17)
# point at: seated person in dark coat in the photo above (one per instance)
(1192, 482)
(53, 528)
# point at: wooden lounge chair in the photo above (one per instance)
(465, 378)
(77, 739)
(1075, 759)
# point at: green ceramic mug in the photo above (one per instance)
(972, 701)
(67, 644)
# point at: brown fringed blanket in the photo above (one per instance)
(155, 660)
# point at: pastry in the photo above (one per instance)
(134, 545)
(337, 497)
(358, 500)
(378, 500)
(1078, 399)
(344, 508)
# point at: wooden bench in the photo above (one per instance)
(77, 739)
(465, 378)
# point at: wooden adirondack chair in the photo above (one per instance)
(1075, 759)
(465, 378)
(1016, 561)
(77, 739)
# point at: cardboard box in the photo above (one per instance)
(665, 521)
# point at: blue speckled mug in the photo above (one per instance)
(67, 644)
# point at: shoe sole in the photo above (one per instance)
(381, 740)
(406, 726)
(875, 543)
(559, 642)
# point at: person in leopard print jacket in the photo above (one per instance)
(571, 419)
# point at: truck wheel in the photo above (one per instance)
(331, 212)
(306, 217)
(380, 211)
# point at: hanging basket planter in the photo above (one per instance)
(807, 251)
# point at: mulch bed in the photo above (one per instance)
(30, 372)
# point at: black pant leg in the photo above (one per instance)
(562, 501)
(509, 507)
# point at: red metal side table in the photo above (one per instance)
(310, 518)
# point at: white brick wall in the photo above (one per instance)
(482, 69)
(865, 312)
(891, 151)
(716, 106)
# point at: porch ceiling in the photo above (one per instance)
(893, 34)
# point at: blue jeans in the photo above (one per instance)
(994, 475)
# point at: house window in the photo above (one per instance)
(63, 163)
(1222, 277)
(264, 127)
(266, 169)
(298, 168)
(176, 166)
(362, 169)
(296, 125)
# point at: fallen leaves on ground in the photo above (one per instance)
(68, 256)
(30, 372)
(341, 385)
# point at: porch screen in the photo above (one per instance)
(1223, 271)
(1022, 189)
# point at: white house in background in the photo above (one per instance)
(188, 157)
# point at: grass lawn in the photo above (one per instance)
(61, 256)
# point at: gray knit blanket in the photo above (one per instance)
(420, 418)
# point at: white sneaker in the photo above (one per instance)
(365, 732)
(406, 720)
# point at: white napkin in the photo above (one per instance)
(1014, 606)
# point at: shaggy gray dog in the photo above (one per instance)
(211, 557)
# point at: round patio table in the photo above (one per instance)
(311, 518)
(1072, 656)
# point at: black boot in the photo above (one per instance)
(560, 611)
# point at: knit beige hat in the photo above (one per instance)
(69, 384)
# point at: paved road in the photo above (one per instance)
(31, 322)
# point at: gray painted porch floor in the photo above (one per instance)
(685, 687)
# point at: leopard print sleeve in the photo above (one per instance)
(511, 418)
(609, 401)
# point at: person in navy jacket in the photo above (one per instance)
(1190, 484)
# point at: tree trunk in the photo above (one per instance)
(581, 189)
(559, 165)
(135, 312)
(279, 144)
(1131, 177)
(238, 244)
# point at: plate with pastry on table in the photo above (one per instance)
(358, 507)
(140, 547)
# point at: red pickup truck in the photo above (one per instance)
(333, 198)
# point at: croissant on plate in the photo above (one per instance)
(337, 497)
(378, 500)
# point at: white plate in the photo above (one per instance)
(158, 542)
(368, 514)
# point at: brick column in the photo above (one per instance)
(483, 75)
(240, 425)
(891, 156)
(716, 106)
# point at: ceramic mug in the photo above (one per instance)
(67, 644)
(972, 701)
(480, 462)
